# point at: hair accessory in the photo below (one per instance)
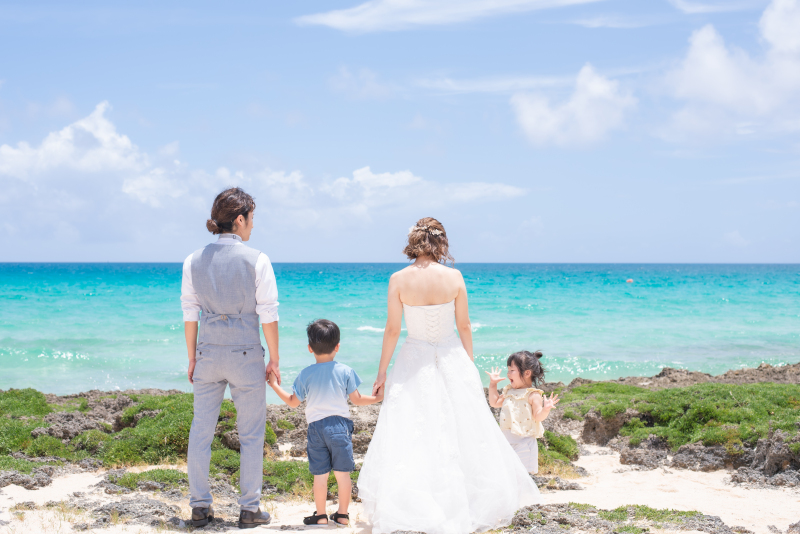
(432, 231)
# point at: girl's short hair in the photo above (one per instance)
(227, 207)
(428, 238)
(528, 361)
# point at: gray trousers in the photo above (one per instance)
(243, 368)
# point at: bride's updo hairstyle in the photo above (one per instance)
(528, 361)
(428, 238)
(227, 207)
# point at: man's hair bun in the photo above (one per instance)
(226, 209)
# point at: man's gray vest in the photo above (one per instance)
(224, 278)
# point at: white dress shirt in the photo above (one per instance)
(266, 288)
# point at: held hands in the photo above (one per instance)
(272, 380)
(379, 393)
(551, 402)
(494, 376)
(272, 369)
(379, 384)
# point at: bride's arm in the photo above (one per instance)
(390, 334)
(463, 324)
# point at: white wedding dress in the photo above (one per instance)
(438, 462)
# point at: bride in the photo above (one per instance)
(438, 462)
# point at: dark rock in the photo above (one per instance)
(173, 495)
(599, 430)
(566, 519)
(80, 526)
(150, 485)
(231, 440)
(27, 505)
(649, 458)
(794, 529)
(38, 480)
(137, 509)
(91, 464)
(753, 477)
(579, 382)
(361, 442)
(697, 457)
(555, 483)
(67, 425)
(773, 455)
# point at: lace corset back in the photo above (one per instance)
(433, 324)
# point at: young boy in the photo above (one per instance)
(325, 386)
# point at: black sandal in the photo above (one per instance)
(335, 517)
(312, 520)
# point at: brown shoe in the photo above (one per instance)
(255, 519)
(202, 516)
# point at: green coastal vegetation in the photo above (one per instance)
(713, 414)
(156, 429)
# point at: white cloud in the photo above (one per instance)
(91, 144)
(390, 15)
(154, 187)
(596, 107)
(502, 84)
(87, 179)
(614, 22)
(728, 90)
(713, 6)
(361, 84)
(366, 190)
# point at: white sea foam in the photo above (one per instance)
(475, 326)
(370, 329)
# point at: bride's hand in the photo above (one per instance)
(379, 383)
(494, 376)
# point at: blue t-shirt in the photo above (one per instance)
(325, 387)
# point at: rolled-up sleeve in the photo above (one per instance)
(266, 291)
(189, 301)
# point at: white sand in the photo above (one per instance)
(754, 509)
(681, 490)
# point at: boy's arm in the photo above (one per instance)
(365, 400)
(290, 399)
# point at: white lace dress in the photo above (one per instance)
(438, 462)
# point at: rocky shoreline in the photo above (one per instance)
(47, 436)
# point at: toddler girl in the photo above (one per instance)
(523, 406)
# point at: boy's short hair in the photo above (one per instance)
(323, 336)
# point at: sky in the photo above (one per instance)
(535, 130)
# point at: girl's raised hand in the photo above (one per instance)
(494, 376)
(551, 402)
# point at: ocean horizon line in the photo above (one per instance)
(400, 263)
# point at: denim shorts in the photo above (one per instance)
(330, 445)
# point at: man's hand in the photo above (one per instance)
(494, 376)
(192, 363)
(272, 368)
(551, 402)
(272, 380)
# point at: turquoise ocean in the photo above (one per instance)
(66, 328)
